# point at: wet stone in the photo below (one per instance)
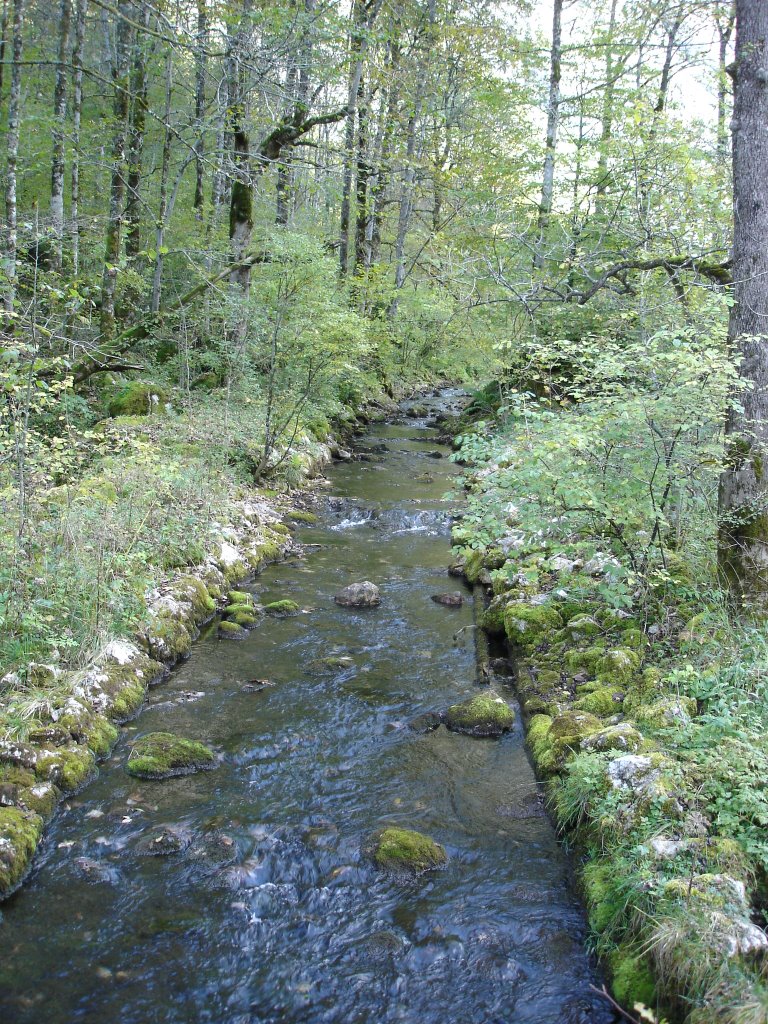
(256, 685)
(425, 723)
(359, 595)
(452, 600)
(162, 842)
(529, 806)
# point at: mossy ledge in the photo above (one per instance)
(666, 889)
(59, 753)
(161, 755)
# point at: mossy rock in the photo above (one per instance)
(603, 701)
(168, 639)
(69, 768)
(298, 515)
(231, 631)
(527, 625)
(666, 713)
(494, 558)
(160, 755)
(139, 398)
(623, 737)
(244, 619)
(239, 608)
(632, 980)
(195, 592)
(491, 619)
(604, 902)
(582, 626)
(618, 666)
(584, 661)
(283, 607)
(568, 730)
(240, 597)
(20, 833)
(404, 851)
(42, 798)
(486, 714)
(473, 565)
(540, 744)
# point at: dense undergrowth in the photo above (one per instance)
(592, 474)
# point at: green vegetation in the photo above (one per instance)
(160, 755)
(403, 851)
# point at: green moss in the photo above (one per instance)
(168, 639)
(494, 558)
(20, 833)
(99, 733)
(486, 714)
(473, 566)
(491, 619)
(297, 515)
(127, 701)
(634, 639)
(284, 607)
(527, 625)
(622, 737)
(196, 592)
(68, 767)
(280, 528)
(584, 661)
(403, 850)
(539, 742)
(239, 608)
(581, 625)
(239, 597)
(568, 730)
(244, 619)
(603, 701)
(604, 903)
(41, 798)
(666, 712)
(138, 398)
(618, 666)
(632, 979)
(160, 755)
(231, 630)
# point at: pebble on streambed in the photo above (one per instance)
(161, 755)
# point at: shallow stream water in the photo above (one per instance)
(269, 913)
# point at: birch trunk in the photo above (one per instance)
(14, 126)
(59, 135)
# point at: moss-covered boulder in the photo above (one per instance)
(618, 666)
(666, 713)
(20, 833)
(623, 736)
(160, 755)
(631, 978)
(486, 714)
(282, 607)
(231, 631)
(568, 731)
(603, 701)
(404, 851)
(527, 625)
(139, 398)
(69, 767)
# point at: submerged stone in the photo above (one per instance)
(452, 600)
(403, 850)
(487, 714)
(427, 722)
(160, 755)
(359, 595)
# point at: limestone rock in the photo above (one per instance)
(486, 714)
(359, 595)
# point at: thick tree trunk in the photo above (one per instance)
(139, 104)
(606, 130)
(200, 72)
(12, 144)
(362, 173)
(59, 134)
(241, 198)
(553, 124)
(744, 483)
(3, 34)
(120, 78)
(353, 88)
(77, 113)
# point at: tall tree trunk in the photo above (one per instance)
(553, 124)
(744, 483)
(138, 115)
(383, 148)
(157, 279)
(12, 144)
(200, 72)
(121, 82)
(241, 199)
(3, 34)
(77, 113)
(362, 172)
(353, 88)
(59, 134)
(725, 22)
(606, 130)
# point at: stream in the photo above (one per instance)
(267, 912)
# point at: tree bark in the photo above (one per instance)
(157, 277)
(241, 198)
(725, 23)
(353, 88)
(77, 113)
(14, 126)
(743, 498)
(606, 130)
(553, 123)
(200, 73)
(3, 34)
(59, 134)
(138, 115)
(120, 78)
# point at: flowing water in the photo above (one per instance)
(267, 912)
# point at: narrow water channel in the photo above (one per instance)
(268, 913)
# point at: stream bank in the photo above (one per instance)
(266, 909)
